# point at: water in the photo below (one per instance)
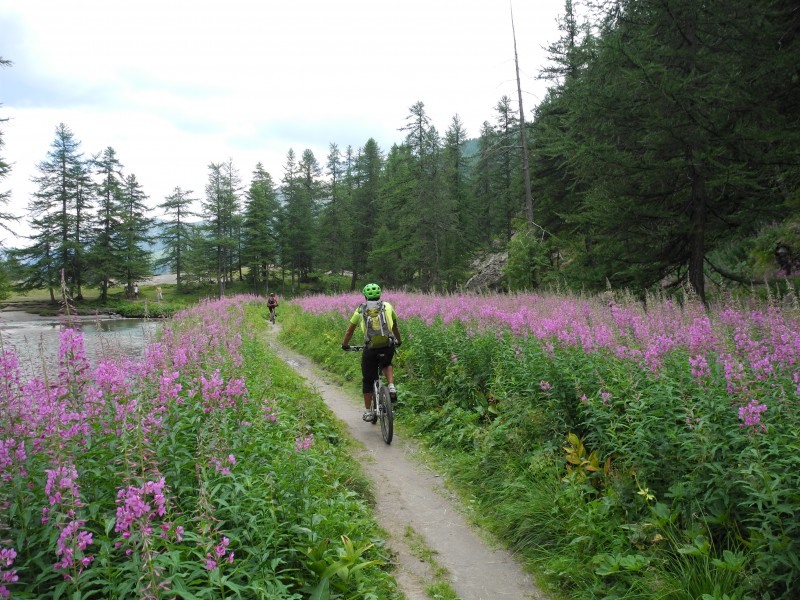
(35, 340)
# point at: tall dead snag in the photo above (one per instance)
(525, 166)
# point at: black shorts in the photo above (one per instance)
(371, 358)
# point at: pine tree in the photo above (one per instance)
(299, 188)
(333, 221)
(482, 181)
(462, 233)
(261, 220)
(5, 169)
(677, 132)
(555, 183)
(5, 218)
(84, 204)
(176, 232)
(221, 220)
(106, 253)
(135, 227)
(200, 256)
(310, 194)
(430, 215)
(396, 192)
(506, 179)
(366, 177)
(53, 218)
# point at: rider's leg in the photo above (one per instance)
(367, 400)
(388, 371)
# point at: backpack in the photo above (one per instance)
(376, 330)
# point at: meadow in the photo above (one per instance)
(624, 449)
(204, 470)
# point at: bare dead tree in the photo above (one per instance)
(525, 166)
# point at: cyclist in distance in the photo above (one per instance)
(272, 304)
(374, 346)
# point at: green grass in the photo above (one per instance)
(439, 588)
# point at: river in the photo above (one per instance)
(35, 339)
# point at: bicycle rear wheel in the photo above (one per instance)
(386, 415)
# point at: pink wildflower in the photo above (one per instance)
(304, 443)
(751, 415)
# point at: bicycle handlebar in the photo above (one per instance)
(359, 348)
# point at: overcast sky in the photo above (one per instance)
(174, 85)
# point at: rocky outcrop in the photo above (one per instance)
(488, 273)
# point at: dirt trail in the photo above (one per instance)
(409, 494)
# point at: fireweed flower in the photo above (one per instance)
(70, 540)
(750, 415)
(270, 410)
(73, 363)
(304, 443)
(169, 388)
(220, 553)
(138, 508)
(700, 370)
(220, 466)
(12, 452)
(7, 557)
(63, 496)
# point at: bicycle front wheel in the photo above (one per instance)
(386, 415)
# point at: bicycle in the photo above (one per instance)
(272, 314)
(381, 405)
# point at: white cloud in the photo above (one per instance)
(173, 85)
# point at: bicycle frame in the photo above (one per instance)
(381, 404)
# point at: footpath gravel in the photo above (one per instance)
(410, 494)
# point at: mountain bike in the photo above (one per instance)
(381, 405)
(272, 310)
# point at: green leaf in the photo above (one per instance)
(322, 591)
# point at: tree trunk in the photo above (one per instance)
(697, 249)
(523, 142)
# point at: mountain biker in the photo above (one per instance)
(369, 357)
(272, 304)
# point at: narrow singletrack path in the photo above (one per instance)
(410, 495)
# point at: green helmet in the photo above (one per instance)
(371, 291)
